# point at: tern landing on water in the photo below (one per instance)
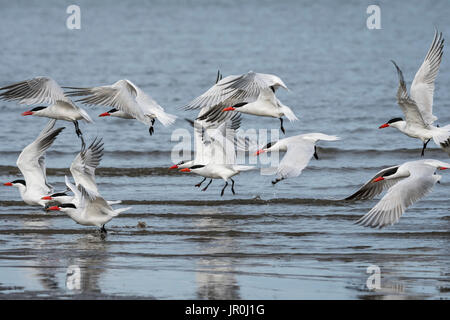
(31, 163)
(46, 90)
(220, 157)
(418, 108)
(83, 172)
(407, 183)
(203, 130)
(88, 209)
(299, 150)
(127, 100)
(251, 93)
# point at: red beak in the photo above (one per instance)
(27, 113)
(185, 170)
(257, 153)
(378, 179)
(104, 114)
(228, 109)
(9, 184)
(54, 208)
(46, 198)
(443, 168)
(174, 167)
(383, 126)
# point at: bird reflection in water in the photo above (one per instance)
(215, 275)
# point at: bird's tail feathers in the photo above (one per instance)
(111, 202)
(441, 136)
(165, 118)
(244, 168)
(86, 116)
(116, 212)
(288, 113)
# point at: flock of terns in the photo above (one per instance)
(216, 143)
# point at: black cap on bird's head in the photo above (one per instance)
(16, 182)
(32, 111)
(387, 124)
(197, 166)
(106, 114)
(38, 108)
(67, 205)
(394, 120)
(61, 206)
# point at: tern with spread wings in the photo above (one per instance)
(83, 172)
(88, 209)
(406, 184)
(299, 151)
(45, 90)
(127, 100)
(31, 163)
(418, 106)
(220, 159)
(250, 93)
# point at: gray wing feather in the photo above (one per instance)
(371, 189)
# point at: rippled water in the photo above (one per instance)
(292, 241)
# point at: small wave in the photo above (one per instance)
(374, 152)
(235, 202)
(114, 153)
(407, 235)
(102, 171)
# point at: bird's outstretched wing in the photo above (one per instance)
(409, 106)
(84, 165)
(422, 87)
(296, 159)
(34, 91)
(399, 197)
(235, 89)
(31, 161)
(120, 95)
(371, 189)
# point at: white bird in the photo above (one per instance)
(202, 140)
(83, 172)
(31, 163)
(46, 90)
(407, 183)
(251, 93)
(220, 160)
(127, 100)
(202, 131)
(418, 108)
(299, 151)
(88, 209)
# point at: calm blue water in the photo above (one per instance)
(197, 244)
